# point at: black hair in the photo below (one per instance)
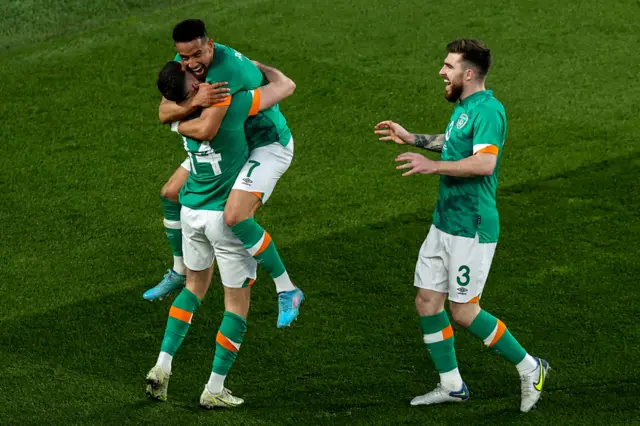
(171, 82)
(474, 52)
(189, 30)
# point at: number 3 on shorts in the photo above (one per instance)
(464, 269)
(255, 164)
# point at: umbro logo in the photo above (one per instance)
(247, 181)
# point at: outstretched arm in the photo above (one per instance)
(207, 95)
(205, 127)
(280, 86)
(391, 131)
(169, 111)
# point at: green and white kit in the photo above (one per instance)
(457, 254)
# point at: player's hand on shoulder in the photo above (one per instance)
(211, 94)
(416, 163)
(391, 131)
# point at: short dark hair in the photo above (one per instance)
(171, 82)
(474, 52)
(189, 30)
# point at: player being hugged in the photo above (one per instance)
(455, 258)
(214, 167)
(271, 152)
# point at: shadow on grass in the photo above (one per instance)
(565, 241)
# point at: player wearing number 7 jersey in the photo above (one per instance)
(271, 153)
(455, 258)
(215, 165)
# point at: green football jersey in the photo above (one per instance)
(467, 206)
(215, 165)
(229, 65)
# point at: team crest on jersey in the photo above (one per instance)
(462, 121)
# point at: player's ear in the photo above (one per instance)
(210, 43)
(470, 74)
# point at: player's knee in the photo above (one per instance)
(420, 302)
(234, 216)
(463, 314)
(198, 285)
(428, 304)
(169, 192)
(237, 301)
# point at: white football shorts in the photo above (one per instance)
(455, 265)
(264, 168)
(205, 238)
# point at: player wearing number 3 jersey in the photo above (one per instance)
(214, 166)
(455, 258)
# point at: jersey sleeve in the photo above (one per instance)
(245, 103)
(488, 132)
(226, 102)
(241, 105)
(237, 70)
(177, 58)
(255, 102)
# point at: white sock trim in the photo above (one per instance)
(451, 380)
(433, 337)
(253, 250)
(172, 224)
(489, 339)
(283, 283)
(178, 265)
(215, 383)
(527, 365)
(164, 361)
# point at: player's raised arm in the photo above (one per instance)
(169, 111)
(391, 131)
(183, 88)
(207, 95)
(205, 127)
(279, 87)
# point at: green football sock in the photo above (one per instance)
(228, 341)
(172, 225)
(438, 336)
(180, 315)
(259, 244)
(496, 336)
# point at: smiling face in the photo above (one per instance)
(196, 55)
(454, 72)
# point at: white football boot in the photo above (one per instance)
(440, 395)
(209, 400)
(532, 383)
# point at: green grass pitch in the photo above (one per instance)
(83, 158)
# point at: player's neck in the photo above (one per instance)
(471, 89)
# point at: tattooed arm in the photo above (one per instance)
(390, 131)
(428, 142)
